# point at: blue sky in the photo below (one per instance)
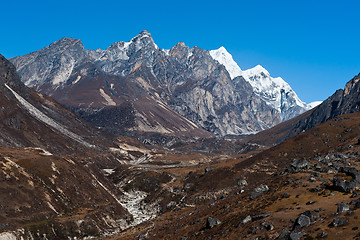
(313, 45)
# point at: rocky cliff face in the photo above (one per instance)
(181, 91)
(343, 101)
(30, 119)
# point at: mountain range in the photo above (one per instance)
(135, 87)
(62, 178)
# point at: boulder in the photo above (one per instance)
(212, 222)
(344, 184)
(301, 222)
(298, 165)
(338, 222)
(260, 216)
(311, 214)
(259, 191)
(296, 236)
(242, 183)
(244, 221)
(343, 207)
(284, 234)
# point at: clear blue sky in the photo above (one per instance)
(313, 45)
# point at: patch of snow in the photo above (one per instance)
(36, 113)
(166, 51)
(77, 80)
(109, 171)
(109, 100)
(314, 104)
(54, 168)
(224, 57)
(190, 53)
(52, 207)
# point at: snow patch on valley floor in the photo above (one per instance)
(36, 113)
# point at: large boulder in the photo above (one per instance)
(348, 181)
(259, 191)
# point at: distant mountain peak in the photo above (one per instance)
(8, 75)
(224, 57)
(274, 91)
(66, 42)
(258, 69)
(144, 37)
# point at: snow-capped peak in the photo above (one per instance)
(258, 69)
(274, 91)
(224, 57)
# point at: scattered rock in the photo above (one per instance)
(315, 189)
(244, 221)
(356, 203)
(242, 183)
(212, 222)
(259, 191)
(260, 216)
(209, 169)
(311, 214)
(284, 234)
(296, 236)
(322, 235)
(286, 195)
(188, 185)
(298, 165)
(301, 222)
(310, 202)
(343, 207)
(344, 184)
(354, 195)
(267, 226)
(337, 222)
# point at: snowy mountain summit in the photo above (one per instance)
(225, 58)
(274, 91)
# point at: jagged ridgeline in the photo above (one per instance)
(136, 87)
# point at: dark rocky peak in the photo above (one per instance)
(9, 76)
(143, 40)
(352, 85)
(180, 52)
(343, 101)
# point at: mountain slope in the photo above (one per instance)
(274, 91)
(55, 171)
(177, 92)
(31, 119)
(343, 101)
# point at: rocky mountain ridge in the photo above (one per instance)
(178, 92)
